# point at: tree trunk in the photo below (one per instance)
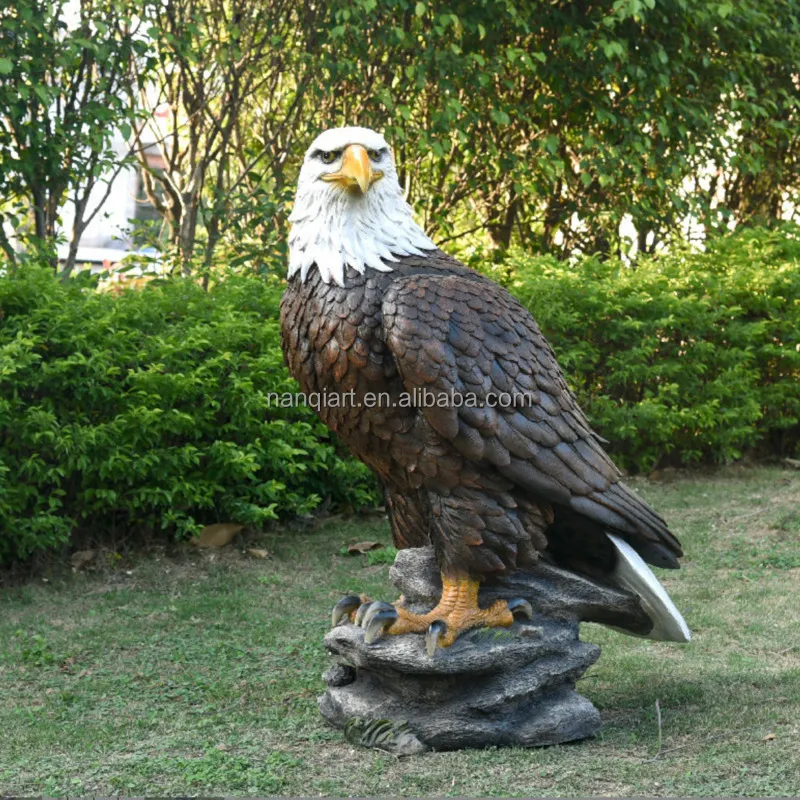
(214, 235)
(72, 256)
(39, 213)
(5, 246)
(500, 233)
(78, 228)
(190, 210)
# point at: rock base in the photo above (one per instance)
(493, 687)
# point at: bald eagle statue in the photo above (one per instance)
(422, 355)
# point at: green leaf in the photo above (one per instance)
(499, 116)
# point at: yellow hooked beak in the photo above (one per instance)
(356, 173)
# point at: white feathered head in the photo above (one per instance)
(349, 208)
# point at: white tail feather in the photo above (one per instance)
(634, 575)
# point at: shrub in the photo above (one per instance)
(687, 357)
(149, 410)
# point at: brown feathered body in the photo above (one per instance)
(491, 488)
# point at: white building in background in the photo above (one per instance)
(107, 238)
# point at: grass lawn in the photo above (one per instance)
(198, 673)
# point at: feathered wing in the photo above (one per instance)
(463, 335)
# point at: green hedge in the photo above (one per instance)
(148, 411)
(687, 357)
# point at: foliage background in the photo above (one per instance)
(612, 127)
(691, 357)
(128, 415)
(629, 168)
(149, 410)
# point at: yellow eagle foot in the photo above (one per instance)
(456, 612)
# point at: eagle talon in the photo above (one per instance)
(378, 621)
(362, 610)
(456, 612)
(373, 609)
(520, 608)
(436, 630)
(345, 608)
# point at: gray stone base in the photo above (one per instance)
(493, 687)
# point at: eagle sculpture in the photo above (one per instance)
(417, 356)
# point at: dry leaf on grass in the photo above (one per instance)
(363, 547)
(217, 535)
(83, 558)
(67, 664)
(256, 553)
(770, 737)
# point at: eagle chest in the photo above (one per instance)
(333, 343)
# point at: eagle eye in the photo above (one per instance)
(374, 155)
(328, 156)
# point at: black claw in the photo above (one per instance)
(374, 608)
(344, 607)
(436, 629)
(379, 622)
(362, 609)
(520, 607)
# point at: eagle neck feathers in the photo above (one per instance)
(334, 230)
